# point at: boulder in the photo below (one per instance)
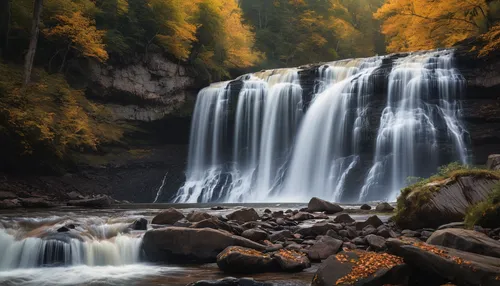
(236, 259)
(466, 240)
(301, 216)
(344, 218)
(280, 235)
(140, 224)
(493, 162)
(319, 205)
(97, 202)
(291, 261)
(459, 224)
(196, 216)
(323, 248)
(373, 221)
(255, 234)
(365, 207)
(214, 223)
(384, 208)
(169, 216)
(361, 268)
(442, 202)
(244, 215)
(184, 245)
(376, 242)
(462, 268)
(36, 203)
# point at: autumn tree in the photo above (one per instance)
(35, 29)
(428, 24)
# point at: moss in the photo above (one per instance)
(487, 213)
(417, 195)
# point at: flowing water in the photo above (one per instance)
(364, 127)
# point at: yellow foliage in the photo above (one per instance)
(492, 39)
(428, 24)
(81, 33)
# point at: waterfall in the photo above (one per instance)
(422, 99)
(345, 131)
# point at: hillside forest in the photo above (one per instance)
(46, 115)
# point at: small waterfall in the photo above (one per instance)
(346, 131)
(160, 189)
(75, 247)
(422, 99)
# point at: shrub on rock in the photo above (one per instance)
(486, 213)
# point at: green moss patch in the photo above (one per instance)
(487, 213)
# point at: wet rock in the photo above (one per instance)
(185, 245)
(301, 216)
(463, 268)
(366, 207)
(291, 261)
(334, 234)
(386, 232)
(197, 216)
(236, 259)
(384, 208)
(410, 233)
(320, 216)
(344, 218)
(255, 235)
(466, 240)
(359, 241)
(319, 205)
(244, 215)
(169, 216)
(97, 202)
(460, 224)
(280, 235)
(182, 223)
(5, 195)
(267, 211)
(213, 223)
(278, 214)
(358, 268)
(376, 242)
(63, 229)
(426, 234)
(140, 224)
(369, 229)
(373, 221)
(217, 208)
(36, 203)
(323, 248)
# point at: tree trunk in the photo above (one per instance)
(5, 15)
(35, 29)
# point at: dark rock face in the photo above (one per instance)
(337, 268)
(184, 245)
(235, 259)
(319, 205)
(140, 224)
(244, 215)
(466, 240)
(169, 216)
(463, 268)
(493, 162)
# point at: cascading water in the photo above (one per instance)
(422, 100)
(271, 136)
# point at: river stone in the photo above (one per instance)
(236, 259)
(463, 268)
(375, 241)
(301, 216)
(319, 205)
(184, 245)
(169, 216)
(466, 240)
(197, 216)
(384, 208)
(493, 162)
(335, 270)
(373, 221)
(291, 261)
(255, 234)
(344, 218)
(97, 202)
(448, 203)
(323, 248)
(281, 235)
(365, 207)
(214, 223)
(244, 215)
(140, 224)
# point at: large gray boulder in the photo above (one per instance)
(184, 245)
(466, 240)
(459, 267)
(319, 205)
(244, 215)
(237, 259)
(169, 216)
(442, 202)
(323, 248)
